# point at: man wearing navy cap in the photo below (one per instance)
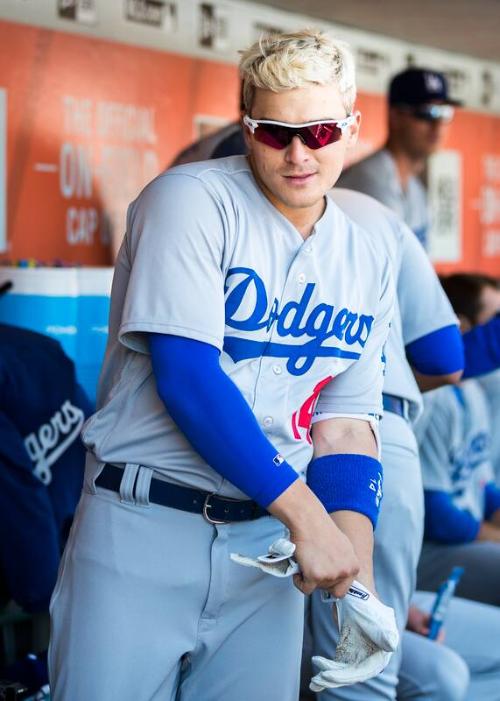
(419, 111)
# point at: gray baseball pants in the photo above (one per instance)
(466, 667)
(481, 560)
(148, 606)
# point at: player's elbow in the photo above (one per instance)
(450, 378)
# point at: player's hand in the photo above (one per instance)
(325, 555)
(326, 559)
(418, 622)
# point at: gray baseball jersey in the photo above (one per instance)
(421, 308)
(454, 446)
(377, 176)
(421, 305)
(206, 256)
(491, 386)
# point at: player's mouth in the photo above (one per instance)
(299, 178)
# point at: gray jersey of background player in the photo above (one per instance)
(419, 110)
(209, 258)
(491, 386)
(422, 308)
(454, 450)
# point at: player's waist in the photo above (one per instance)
(397, 405)
(214, 508)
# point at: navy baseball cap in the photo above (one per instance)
(419, 86)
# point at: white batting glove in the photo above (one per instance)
(368, 637)
(368, 632)
(279, 560)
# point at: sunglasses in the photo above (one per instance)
(430, 113)
(314, 135)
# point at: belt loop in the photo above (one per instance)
(93, 469)
(127, 483)
(142, 486)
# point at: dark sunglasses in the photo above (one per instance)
(313, 134)
(430, 113)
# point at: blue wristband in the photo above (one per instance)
(347, 482)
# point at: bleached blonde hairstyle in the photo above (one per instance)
(280, 62)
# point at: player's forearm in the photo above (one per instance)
(488, 531)
(426, 383)
(495, 519)
(298, 508)
(359, 530)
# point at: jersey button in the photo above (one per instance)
(277, 369)
(268, 421)
(301, 277)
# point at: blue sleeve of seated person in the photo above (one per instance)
(482, 348)
(438, 353)
(347, 481)
(444, 523)
(213, 415)
(491, 499)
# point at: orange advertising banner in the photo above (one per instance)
(89, 122)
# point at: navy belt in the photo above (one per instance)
(213, 507)
(397, 405)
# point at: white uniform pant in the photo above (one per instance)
(148, 606)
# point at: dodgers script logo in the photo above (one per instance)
(49, 442)
(298, 319)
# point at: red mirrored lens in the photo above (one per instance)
(314, 137)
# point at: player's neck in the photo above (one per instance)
(407, 165)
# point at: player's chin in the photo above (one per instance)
(304, 196)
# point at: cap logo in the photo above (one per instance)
(433, 82)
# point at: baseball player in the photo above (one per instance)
(462, 521)
(42, 410)
(424, 328)
(466, 666)
(491, 387)
(446, 673)
(240, 293)
(420, 109)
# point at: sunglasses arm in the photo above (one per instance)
(250, 123)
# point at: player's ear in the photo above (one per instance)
(247, 136)
(353, 130)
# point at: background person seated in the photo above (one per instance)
(42, 410)
(462, 521)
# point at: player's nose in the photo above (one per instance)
(297, 151)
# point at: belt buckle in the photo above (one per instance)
(206, 507)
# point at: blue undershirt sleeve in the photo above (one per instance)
(482, 348)
(444, 523)
(438, 353)
(491, 499)
(212, 413)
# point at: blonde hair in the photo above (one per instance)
(280, 62)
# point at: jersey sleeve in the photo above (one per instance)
(175, 244)
(417, 280)
(358, 390)
(433, 442)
